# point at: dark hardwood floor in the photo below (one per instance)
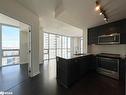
(10, 76)
(45, 84)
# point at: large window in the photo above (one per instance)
(46, 46)
(81, 45)
(56, 45)
(10, 37)
(10, 44)
(52, 46)
(59, 45)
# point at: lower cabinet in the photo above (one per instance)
(71, 70)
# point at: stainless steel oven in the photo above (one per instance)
(109, 39)
(108, 66)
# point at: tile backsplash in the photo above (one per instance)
(114, 49)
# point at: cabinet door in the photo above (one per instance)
(72, 71)
(123, 32)
(92, 36)
(91, 59)
(83, 65)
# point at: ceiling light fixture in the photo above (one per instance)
(101, 10)
(97, 8)
(100, 13)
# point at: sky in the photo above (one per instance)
(10, 37)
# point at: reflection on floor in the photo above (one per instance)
(45, 84)
(10, 76)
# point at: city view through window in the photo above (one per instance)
(10, 45)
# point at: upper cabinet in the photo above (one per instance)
(92, 36)
(107, 29)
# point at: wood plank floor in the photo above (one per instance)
(10, 76)
(45, 84)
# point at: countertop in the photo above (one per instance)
(100, 54)
(74, 56)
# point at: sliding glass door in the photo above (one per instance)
(10, 44)
(56, 45)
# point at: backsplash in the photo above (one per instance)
(114, 49)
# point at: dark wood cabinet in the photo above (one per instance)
(91, 59)
(110, 28)
(123, 32)
(92, 36)
(71, 70)
(122, 69)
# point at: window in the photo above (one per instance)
(46, 46)
(56, 45)
(59, 45)
(69, 47)
(81, 45)
(52, 46)
(10, 45)
(10, 37)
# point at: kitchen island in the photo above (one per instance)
(71, 69)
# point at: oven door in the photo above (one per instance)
(108, 66)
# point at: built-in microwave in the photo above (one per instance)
(109, 39)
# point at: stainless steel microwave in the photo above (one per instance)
(109, 39)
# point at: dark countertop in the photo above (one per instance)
(74, 56)
(117, 56)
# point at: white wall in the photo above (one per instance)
(24, 47)
(7, 20)
(15, 10)
(85, 41)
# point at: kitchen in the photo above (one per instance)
(78, 47)
(106, 55)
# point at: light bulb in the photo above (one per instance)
(97, 7)
(105, 18)
(100, 13)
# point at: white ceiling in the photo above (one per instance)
(81, 13)
(78, 13)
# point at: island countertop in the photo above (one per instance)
(74, 56)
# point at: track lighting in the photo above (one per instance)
(105, 18)
(100, 13)
(101, 10)
(97, 8)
